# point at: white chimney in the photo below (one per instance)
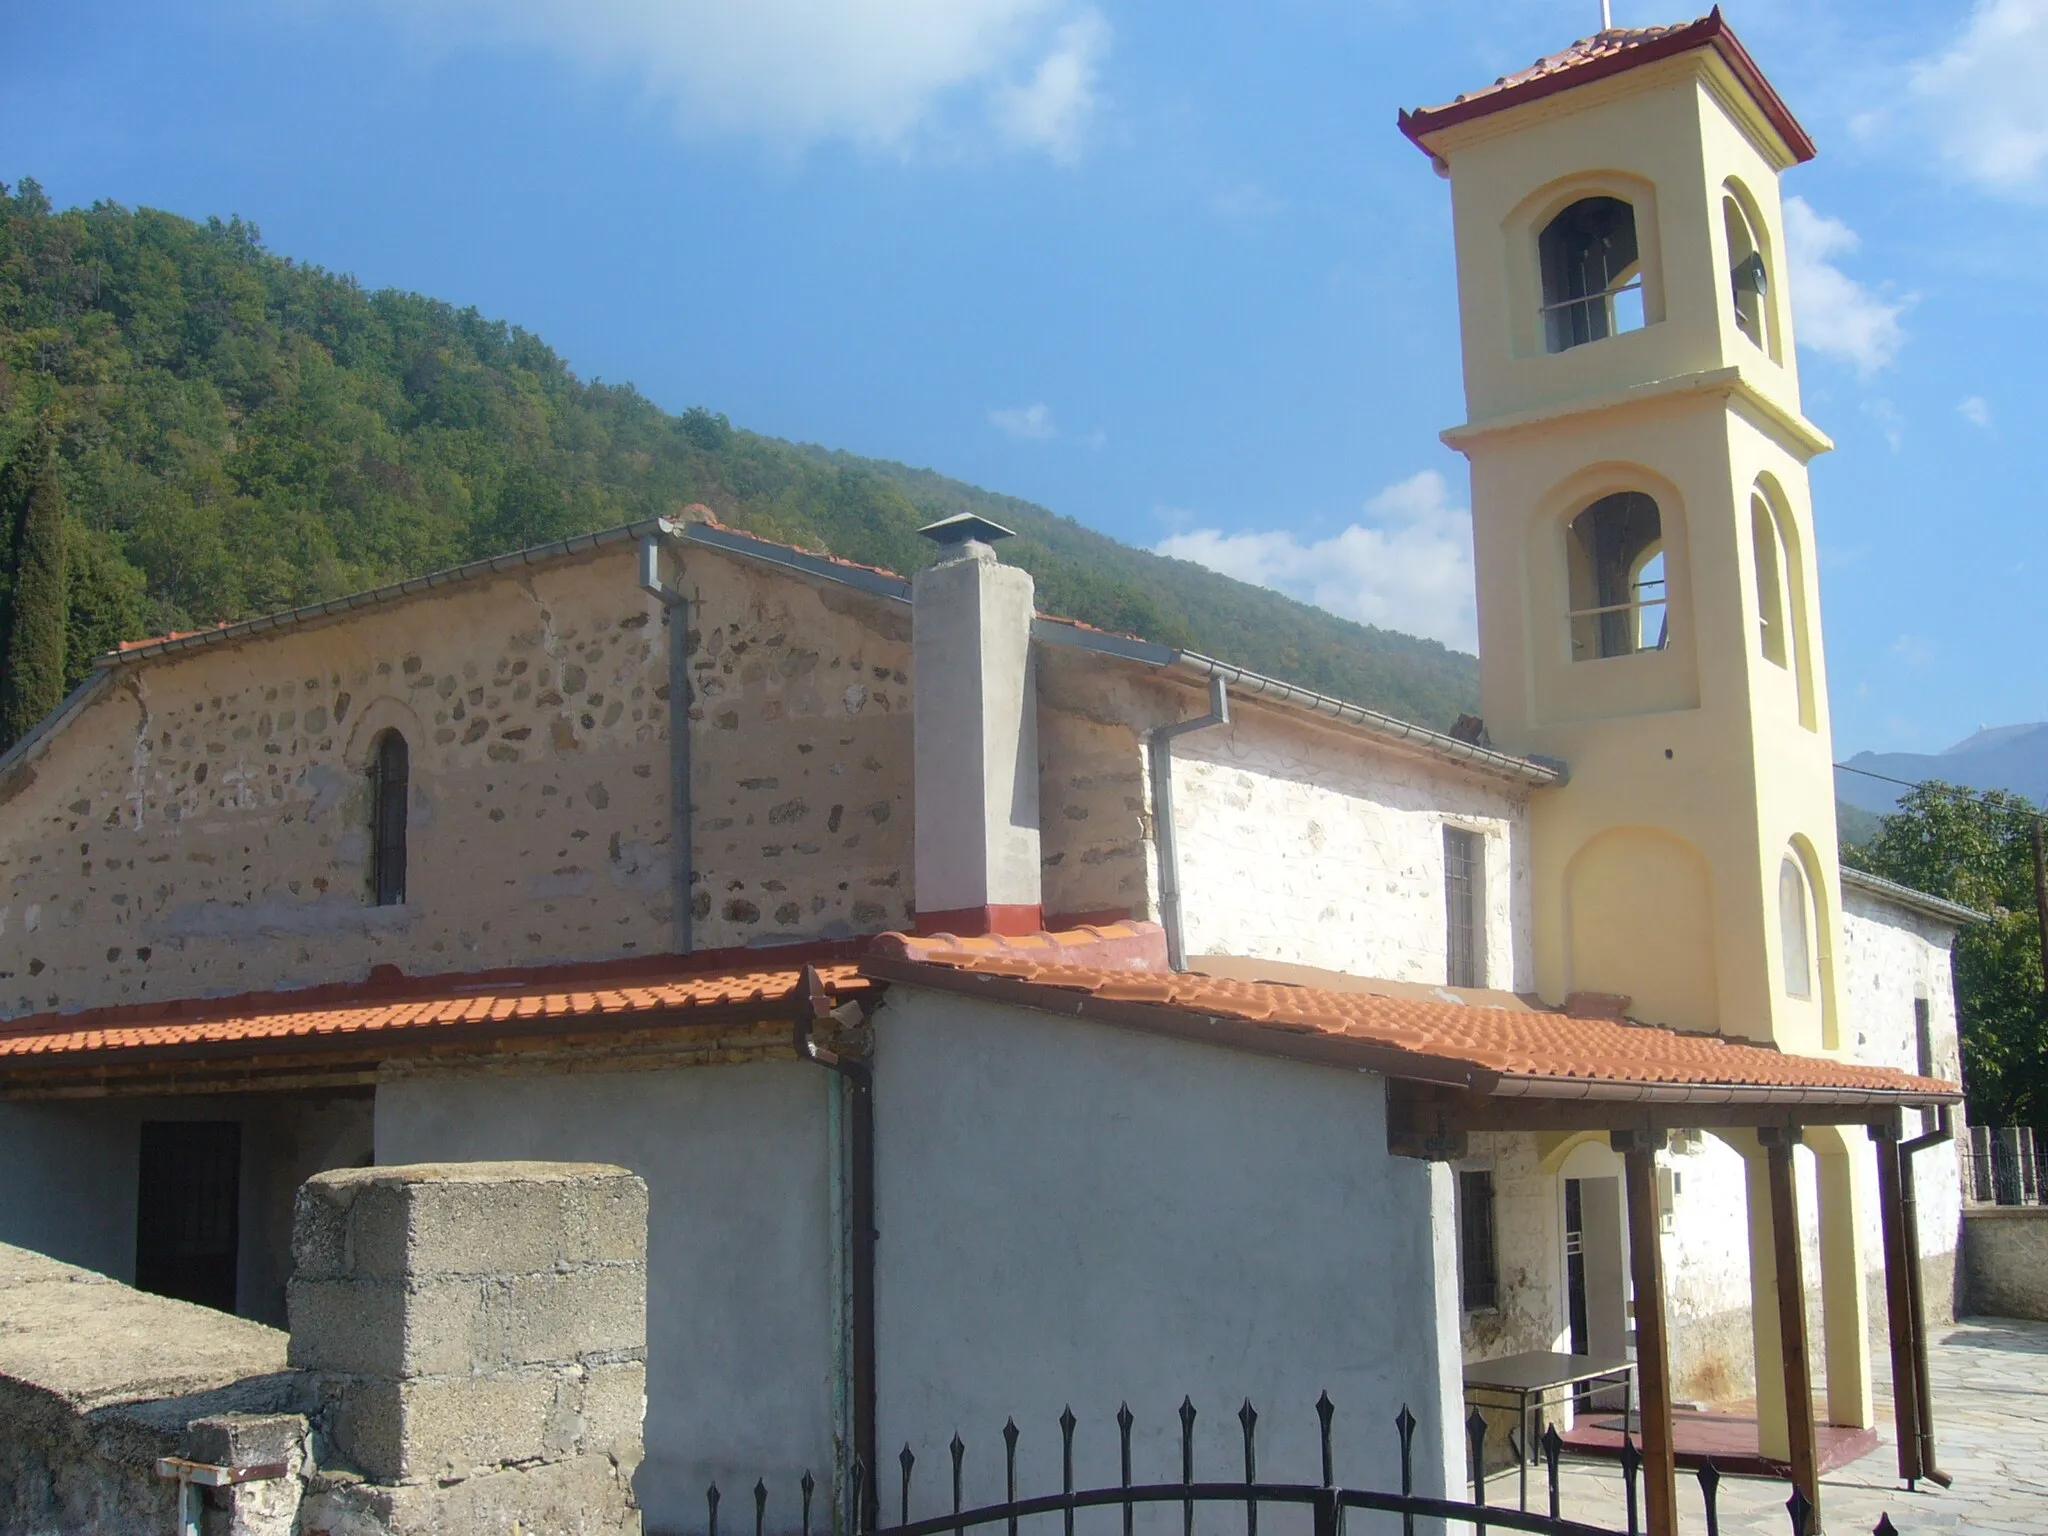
(976, 720)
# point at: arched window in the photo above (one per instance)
(1748, 273)
(1795, 924)
(1592, 286)
(390, 769)
(1615, 558)
(1770, 584)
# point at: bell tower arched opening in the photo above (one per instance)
(1592, 275)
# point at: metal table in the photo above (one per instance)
(1528, 1378)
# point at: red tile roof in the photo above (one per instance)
(1495, 1049)
(1610, 53)
(391, 1012)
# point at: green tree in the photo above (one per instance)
(32, 665)
(1975, 847)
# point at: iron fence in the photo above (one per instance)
(1327, 1503)
(2005, 1165)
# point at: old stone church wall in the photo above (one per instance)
(204, 827)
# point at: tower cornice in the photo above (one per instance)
(1792, 431)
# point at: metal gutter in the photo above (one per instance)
(682, 831)
(1906, 896)
(1527, 770)
(1610, 1091)
(1159, 758)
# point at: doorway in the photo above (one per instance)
(1595, 1268)
(187, 1211)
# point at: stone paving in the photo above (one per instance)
(1990, 1380)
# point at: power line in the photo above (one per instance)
(1955, 789)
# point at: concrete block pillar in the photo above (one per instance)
(480, 1335)
(976, 729)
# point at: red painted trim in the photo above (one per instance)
(1710, 31)
(1060, 922)
(1012, 921)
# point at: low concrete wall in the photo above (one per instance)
(2005, 1260)
(468, 1356)
(97, 1381)
(479, 1335)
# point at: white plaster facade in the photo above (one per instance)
(1297, 846)
(740, 1333)
(1075, 1214)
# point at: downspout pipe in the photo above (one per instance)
(1909, 1218)
(1159, 749)
(859, 1080)
(675, 617)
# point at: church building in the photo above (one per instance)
(1006, 1015)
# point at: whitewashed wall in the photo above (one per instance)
(1070, 1213)
(739, 1315)
(1891, 955)
(1305, 845)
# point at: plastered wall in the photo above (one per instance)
(204, 828)
(1298, 844)
(739, 1236)
(1076, 1214)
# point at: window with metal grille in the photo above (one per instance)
(1478, 1268)
(390, 769)
(1464, 906)
(188, 1195)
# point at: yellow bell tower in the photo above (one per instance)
(1648, 609)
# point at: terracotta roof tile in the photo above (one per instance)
(435, 1008)
(1505, 1043)
(1610, 53)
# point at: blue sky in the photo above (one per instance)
(1162, 265)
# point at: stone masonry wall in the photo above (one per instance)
(801, 757)
(203, 828)
(1095, 830)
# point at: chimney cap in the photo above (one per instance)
(965, 528)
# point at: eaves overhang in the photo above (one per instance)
(1604, 56)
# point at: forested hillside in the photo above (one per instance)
(233, 433)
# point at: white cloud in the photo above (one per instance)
(1050, 110)
(879, 73)
(1889, 419)
(1025, 421)
(1975, 410)
(1835, 313)
(1245, 202)
(1406, 566)
(1983, 100)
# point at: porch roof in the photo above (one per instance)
(391, 1013)
(1462, 1042)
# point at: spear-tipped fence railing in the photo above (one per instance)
(1327, 1502)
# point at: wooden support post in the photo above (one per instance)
(1653, 1350)
(1778, 1144)
(1898, 1299)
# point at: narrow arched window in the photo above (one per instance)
(1748, 273)
(1592, 280)
(1795, 922)
(1615, 559)
(390, 770)
(1770, 585)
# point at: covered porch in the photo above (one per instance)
(1602, 1145)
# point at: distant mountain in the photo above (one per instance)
(2008, 757)
(238, 433)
